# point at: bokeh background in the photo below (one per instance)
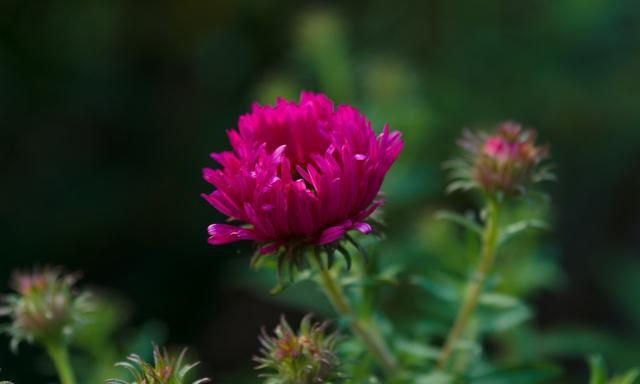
(109, 109)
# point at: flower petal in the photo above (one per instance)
(334, 233)
(364, 228)
(224, 233)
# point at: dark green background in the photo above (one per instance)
(109, 109)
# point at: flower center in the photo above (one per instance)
(304, 128)
(302, 142)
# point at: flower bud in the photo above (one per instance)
(167, 368)
(306, 357)
(45, 307)
(506, 161)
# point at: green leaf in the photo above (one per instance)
(417, 350)
(505, 319)
(511, 230)
(443, 291)
(519, 375)
(466, 221)
(599, 373)
(434, 378)
(628, 378)
(500, 300)
(598, 370)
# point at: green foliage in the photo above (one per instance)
(599, 373)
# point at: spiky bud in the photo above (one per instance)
(45, 306)
(306, 357)
(167, 368)
(506, 161)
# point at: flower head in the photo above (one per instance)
(166, 369)
(300, 174)
(306, 357)
(506, 161)
(45, 307)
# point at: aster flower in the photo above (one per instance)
(300, 174)
(166, 369)
(507, 161)
(306, 357)
(46, 307)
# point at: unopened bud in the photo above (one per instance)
(506, 161)
(44, 307)
(167, 368)
(305, 357)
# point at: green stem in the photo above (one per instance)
(474, 286)
(373, 341)
(60, 356)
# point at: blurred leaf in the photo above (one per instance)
(387, 276)
(511, 230)
(442, 290)
(467, 222)
(599, 375)
(416, 350)
(434, 378)
(501, 320)
(598, 370)
(519, 375)
(107, 315)
(576, 341)
(628, 378)
(499, 300)
(97, 339)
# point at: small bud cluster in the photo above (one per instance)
(44, 307)
(166, 369)
(306, 357)
(503, 162)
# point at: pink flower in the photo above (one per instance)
(299, 174)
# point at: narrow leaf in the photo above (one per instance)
(465, 221)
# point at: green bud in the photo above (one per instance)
(166, 369)
(45, 306)
(506, 161)
(306, 357)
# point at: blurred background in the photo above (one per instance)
(109, 109)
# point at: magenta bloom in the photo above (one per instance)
(299, 174)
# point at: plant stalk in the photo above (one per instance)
(58, 353)
(373, 341)
(475, 284)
